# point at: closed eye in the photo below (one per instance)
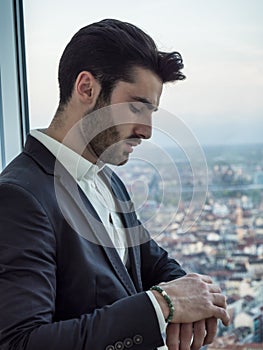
(134, 109)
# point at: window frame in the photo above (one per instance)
(14, 111)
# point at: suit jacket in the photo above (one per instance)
(62, 285)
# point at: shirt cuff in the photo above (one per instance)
(160, 317)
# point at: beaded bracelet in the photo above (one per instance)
(168, 301)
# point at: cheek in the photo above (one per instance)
(125, 131)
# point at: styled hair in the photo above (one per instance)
(109, 49)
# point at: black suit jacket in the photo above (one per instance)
(62, 286)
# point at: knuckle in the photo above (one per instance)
(193, 275)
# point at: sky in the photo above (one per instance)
(221, 42)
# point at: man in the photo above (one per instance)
(76, 265)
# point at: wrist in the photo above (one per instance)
(163, 305)
(164, 302)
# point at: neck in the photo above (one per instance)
(68, 132)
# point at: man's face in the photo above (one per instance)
(129, 117)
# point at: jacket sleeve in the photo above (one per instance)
(28, 291)
(157, 266)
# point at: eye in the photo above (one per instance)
(134, 109)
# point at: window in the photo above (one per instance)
(221, 101)
(13, 89)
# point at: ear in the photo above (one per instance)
(87, 88)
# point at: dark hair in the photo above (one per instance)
(109, 49)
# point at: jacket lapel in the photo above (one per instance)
(91, 228)
(130, 223)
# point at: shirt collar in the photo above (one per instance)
(75, 164)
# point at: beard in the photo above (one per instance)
(107, 147)
(103, 137)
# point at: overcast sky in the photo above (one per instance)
(221, 42)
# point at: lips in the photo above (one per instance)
(132, 143)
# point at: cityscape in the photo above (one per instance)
(224, 237)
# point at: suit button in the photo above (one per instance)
(119, 345)
(110, 347)
(128, 343)
(137, 339)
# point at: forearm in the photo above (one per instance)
(157, 266)
(132, 318)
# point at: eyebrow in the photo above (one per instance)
(144, 100)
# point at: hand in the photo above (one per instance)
(192, 336)
(195, 297)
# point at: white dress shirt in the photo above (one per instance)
(86, 175)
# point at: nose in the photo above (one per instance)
(143, 130)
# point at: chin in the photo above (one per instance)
(118, 161)
(124, 159)
(123, 162)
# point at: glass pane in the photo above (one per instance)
(219, 109)
(12, 82)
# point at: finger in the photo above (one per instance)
(222, 314)
(213, 288)
(211, 328)
(186, 333)
(172, 336)
(206, 279)
(219, 299)
(199, 334)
